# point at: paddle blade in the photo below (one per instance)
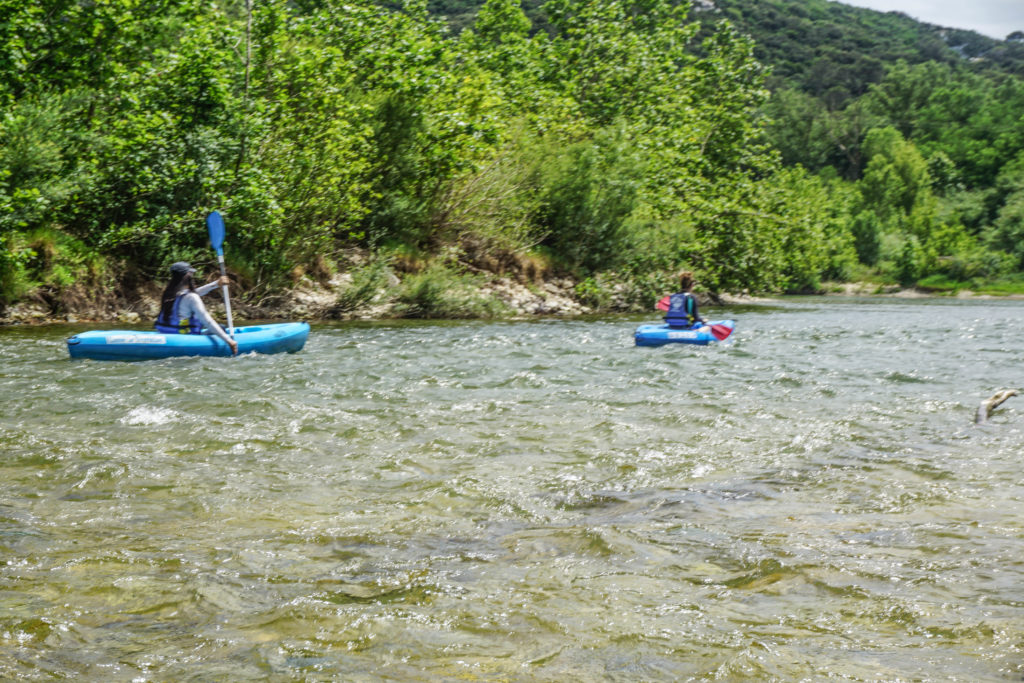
(663, 304)
(720, 332)
(215, 226)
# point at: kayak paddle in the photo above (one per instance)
(215, 226)
(720, 332)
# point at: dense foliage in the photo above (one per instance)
(940, 202)
(923, 122)
(622, 138)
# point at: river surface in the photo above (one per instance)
(524, 501)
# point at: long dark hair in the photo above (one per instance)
(177, 283)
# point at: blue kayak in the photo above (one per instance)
(145, 345)
(700, 333)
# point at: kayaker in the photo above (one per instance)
(181, 306)
(682, 306)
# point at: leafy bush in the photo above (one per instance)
(1013, 284)
(441, 292)
(940, 283)
(591, 190)
(13, 283)
(497, 204)
(1008, 231)
(594, 293)
(365, 287)
(627, 291)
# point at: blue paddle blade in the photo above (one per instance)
(215, 226)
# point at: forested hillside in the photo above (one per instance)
(835, 51)
(614, 140)
(923, 121)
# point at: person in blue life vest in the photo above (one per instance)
(181, 306)
(682, 306)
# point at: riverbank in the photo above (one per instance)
(492, 295)
(342, 297)
(308, 300)
(875, 289)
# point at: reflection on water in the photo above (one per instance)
(524, 501)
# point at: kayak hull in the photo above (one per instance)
(131, 345)
(701, 335)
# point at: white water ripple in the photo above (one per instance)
(150, 415)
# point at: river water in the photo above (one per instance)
(524, 501)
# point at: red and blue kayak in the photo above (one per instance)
(146, 345)
(699, 333)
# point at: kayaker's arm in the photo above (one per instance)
(210, 286)
(193, 302)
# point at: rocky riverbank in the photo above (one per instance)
(351, 295)
(308, 300)
(318, 300)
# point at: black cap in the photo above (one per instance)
(181, 267)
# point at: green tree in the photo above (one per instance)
(896, 186)
(590, 196)
(618, 58)
(1007, 231)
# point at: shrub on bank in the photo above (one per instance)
(365, 287)
(440, 291)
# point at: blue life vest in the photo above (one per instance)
(682, 310)
(189, 325)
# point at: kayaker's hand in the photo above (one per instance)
(224, 280)
(234, 347)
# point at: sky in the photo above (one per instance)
(993, 18)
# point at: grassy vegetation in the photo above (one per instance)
(440, 291)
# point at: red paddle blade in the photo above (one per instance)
(721, 331)
(663, 304)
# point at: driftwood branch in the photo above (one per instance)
(991, 403)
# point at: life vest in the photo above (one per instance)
(682, 310)
(189, 325)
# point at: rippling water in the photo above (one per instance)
(524, 501)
